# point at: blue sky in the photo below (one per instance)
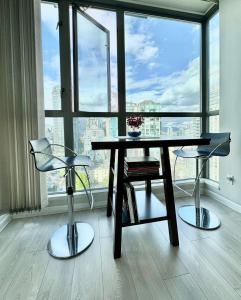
(175, 47)
(177, 43)
(162, 60)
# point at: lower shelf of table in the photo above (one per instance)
(150, 209)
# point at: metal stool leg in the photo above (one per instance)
(73, 238)
(196, 215)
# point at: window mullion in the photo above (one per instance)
(75, 59)
(204, 72)
(65, 63)
(204, 83)
(121, 73)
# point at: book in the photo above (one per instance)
(131, 201)
(141, 161)
(125, 209)
(145, 165)
(146, 170)
(141, 173)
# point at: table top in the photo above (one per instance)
(124, 142)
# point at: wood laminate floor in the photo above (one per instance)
(206, 265)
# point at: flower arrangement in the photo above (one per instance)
(135, 121)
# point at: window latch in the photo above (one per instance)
(60, 23)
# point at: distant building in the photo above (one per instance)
(131, 107)
(152, 125)
(148, 106)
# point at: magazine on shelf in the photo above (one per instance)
(131, 201)
(125, 209)
(141, 174)
(141, 161)
(139, 166)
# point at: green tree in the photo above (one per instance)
(84, 178)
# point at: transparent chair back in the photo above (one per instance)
(43, 146)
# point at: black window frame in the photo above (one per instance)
(68, 112)
(209, 113)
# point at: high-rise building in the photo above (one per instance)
(151, 126)
(148, 106)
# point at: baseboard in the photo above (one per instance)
(215, 195)
(4, 221)
(57, 203)
(59, 209)
(187, 185)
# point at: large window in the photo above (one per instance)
(94, 86)
(158, 72)
(213, 88)
(162, 65)
(96, 57)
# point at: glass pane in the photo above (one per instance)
(93, 65)
(214, 62)
(214, 161)
(214, 124)
(171, 127)
(108, 19)
(162, 64)
(51, 56)
(54, 131)
(85, 130)
(182, 127)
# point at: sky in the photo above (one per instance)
(162, 60)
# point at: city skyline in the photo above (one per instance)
(87, 129)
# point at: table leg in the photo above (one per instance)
(169, 197)
(118, 204)
(111, 183)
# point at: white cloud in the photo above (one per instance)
(49, 85)
(54, 63)
(90, 38)
(108, 20)
(180, 89)
(153, 65)
(50, 18)
(139, 43)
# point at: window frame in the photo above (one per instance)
(68, 112)
(208, 113)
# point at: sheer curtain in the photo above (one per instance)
(21, 111)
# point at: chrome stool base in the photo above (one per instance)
(200, 218)
(70, 240)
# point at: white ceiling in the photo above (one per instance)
(192, 6)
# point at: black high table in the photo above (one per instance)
(151, 210)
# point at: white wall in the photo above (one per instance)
(230, 102)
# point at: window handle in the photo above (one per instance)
(60, 23)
